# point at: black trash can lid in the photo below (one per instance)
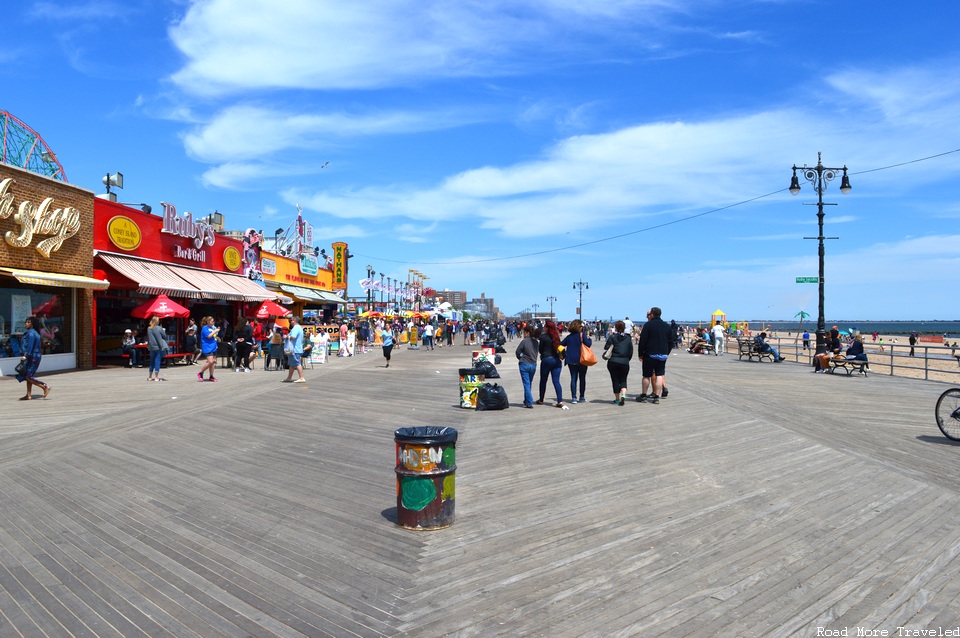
(468, 371)
(426, 434)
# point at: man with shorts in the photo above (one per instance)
(294, 350)
(655, 346)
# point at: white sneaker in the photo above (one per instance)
(239, 370)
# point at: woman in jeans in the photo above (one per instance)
(572, 343)
(527, 353)
(157, 345)
(550, 363)
(620, 346)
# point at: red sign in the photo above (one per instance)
(148, 237)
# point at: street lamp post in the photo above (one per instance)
(551, 299)
(581, 285)
(820, 176)
(369, 286)
(535, 307)
(381, 292)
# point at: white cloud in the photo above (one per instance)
(235, 45)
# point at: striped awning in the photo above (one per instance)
(151, 277)
(41, 278)
(210, 284)
(311, 295)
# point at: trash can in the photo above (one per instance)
(426, 476)
(470, 381)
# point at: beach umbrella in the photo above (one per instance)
(270, 308)
(372, 313)
(161, 306)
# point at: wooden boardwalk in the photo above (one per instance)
(757, 500)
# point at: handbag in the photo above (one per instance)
(21, 368)
(587, 358)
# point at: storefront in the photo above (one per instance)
(46, 269)
(144, 254)
(303, 279)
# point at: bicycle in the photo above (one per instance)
(948, 414)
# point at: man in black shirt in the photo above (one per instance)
(653, 351)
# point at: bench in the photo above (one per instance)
(850, 365)
(702, 347)
(173, 355)
(747, 347)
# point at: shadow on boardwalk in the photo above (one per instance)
(757, 500)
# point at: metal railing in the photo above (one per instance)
(929, 362)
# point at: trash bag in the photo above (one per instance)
(497, 359)
(492, 397)
(489, 370)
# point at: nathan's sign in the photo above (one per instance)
(62, 223)
(200, 232)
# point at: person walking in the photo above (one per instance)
(620, 346)
(30, 347)
(718, 338)
(550, 363)
(208, 347)
(527, 353)
(653, 351)
(294, 350)
(578, 372)
(386, 335)
(157, 346)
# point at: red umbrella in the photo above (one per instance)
(269, 308)
(49, 308)
(162, 307)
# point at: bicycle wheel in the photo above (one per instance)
(948, 414)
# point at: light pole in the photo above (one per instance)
(820, 176)
(551, 299)
(369, 286)
(381, 292)
(581, 285)
(535, 307)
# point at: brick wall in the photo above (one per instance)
(75, 255)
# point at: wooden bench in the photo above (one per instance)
(173, 355)
(702, 347)
(747, 347)
(850, 365)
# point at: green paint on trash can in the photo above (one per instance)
(426, 476)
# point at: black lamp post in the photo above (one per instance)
(381, 292)
(581, 285)
(820, 176)
(551, 299)
(369, 282)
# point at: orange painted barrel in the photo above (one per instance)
(426, 476)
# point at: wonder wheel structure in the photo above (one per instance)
(24, 148)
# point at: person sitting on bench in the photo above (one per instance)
(763, 346)
(855, 353)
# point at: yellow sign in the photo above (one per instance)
(124, 233)
(339, 266)
(232, 258)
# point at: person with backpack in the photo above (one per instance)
(618, 351)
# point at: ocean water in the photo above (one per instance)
(950, 328)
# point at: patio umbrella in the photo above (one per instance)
(372, 313)
(269, 308)
(162, 307)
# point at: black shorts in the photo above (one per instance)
(653, 367)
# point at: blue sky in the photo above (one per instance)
(513, 148)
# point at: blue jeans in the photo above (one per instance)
(527, 370)
(577, 371)
(156, 356)
(550, 366)
(771, 349)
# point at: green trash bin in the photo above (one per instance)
(426, 476)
